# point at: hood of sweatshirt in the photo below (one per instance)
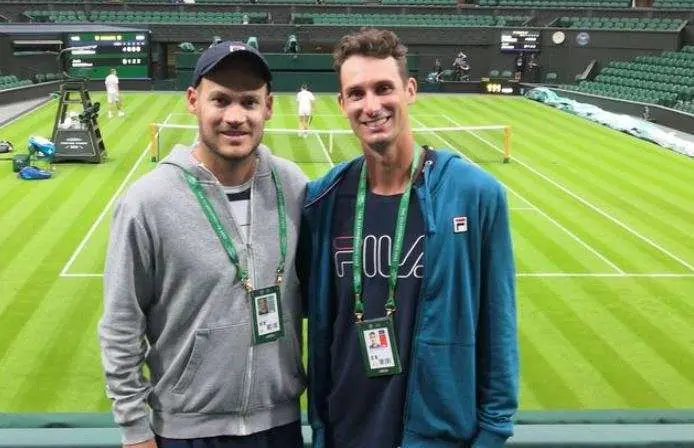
(181, 156)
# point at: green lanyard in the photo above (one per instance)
(397, 241)
(227, 243)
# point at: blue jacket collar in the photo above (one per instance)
(318, 188)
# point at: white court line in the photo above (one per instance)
(602, 275)
(540, 211)
(104, 212)
(325, 150)
(81, 275)
(586, 202)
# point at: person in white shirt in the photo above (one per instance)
(113, 94)
(305, 101)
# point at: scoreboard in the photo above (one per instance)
(520, 40)
(127, 52)
(500, 86)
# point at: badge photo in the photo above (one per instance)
(379, 350)
(378, 345)
(267, 315)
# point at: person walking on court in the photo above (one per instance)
(200, 284)
(412, 244)
(113, 94)
(304, 100)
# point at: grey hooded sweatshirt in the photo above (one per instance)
(172, 302)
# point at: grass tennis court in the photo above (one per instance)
(602, 226)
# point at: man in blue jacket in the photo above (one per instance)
(413, 245)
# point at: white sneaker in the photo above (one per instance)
(121, 114)
(110, 115)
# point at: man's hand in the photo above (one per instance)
(145, 444)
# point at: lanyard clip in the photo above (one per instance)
(390, 305)
(279, 276)
(247, 284)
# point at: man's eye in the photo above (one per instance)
(384, 89)
(250, 103)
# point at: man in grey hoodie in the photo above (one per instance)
(200, 284)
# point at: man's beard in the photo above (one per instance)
(380, 146)
(232, 158)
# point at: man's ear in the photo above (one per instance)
(341, 103)
(411, 90)
(269, 102)
(192, 98)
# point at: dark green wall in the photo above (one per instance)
(289, 71)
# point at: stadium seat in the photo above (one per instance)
(396, 20)
(667, 79)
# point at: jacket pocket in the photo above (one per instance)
(214, 376)
(278, 373)
(442, 400)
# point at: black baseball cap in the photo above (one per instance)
(218, 52)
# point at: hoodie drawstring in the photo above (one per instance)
(425, 196)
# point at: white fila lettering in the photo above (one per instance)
(376, 257)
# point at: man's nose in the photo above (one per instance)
(234, 114)
(371, 104)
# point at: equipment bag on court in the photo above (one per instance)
(19, 161)
(5, 147)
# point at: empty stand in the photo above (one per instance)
(621, 23)
(667, 79)
(174, 17)
(11, 81)
(408, 20)
(674, 4)
(420, 2)
(558, 3)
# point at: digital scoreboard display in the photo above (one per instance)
(520, 40)
(500, 86)
(93, 55)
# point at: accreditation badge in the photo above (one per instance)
(267, 315)
(379, 348)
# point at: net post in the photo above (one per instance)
(507, 144)
(154, 144)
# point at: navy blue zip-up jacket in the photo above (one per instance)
(463, 378)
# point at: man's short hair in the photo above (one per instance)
(371, 42)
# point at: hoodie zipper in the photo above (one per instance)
(248, 381)
(425, 200)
